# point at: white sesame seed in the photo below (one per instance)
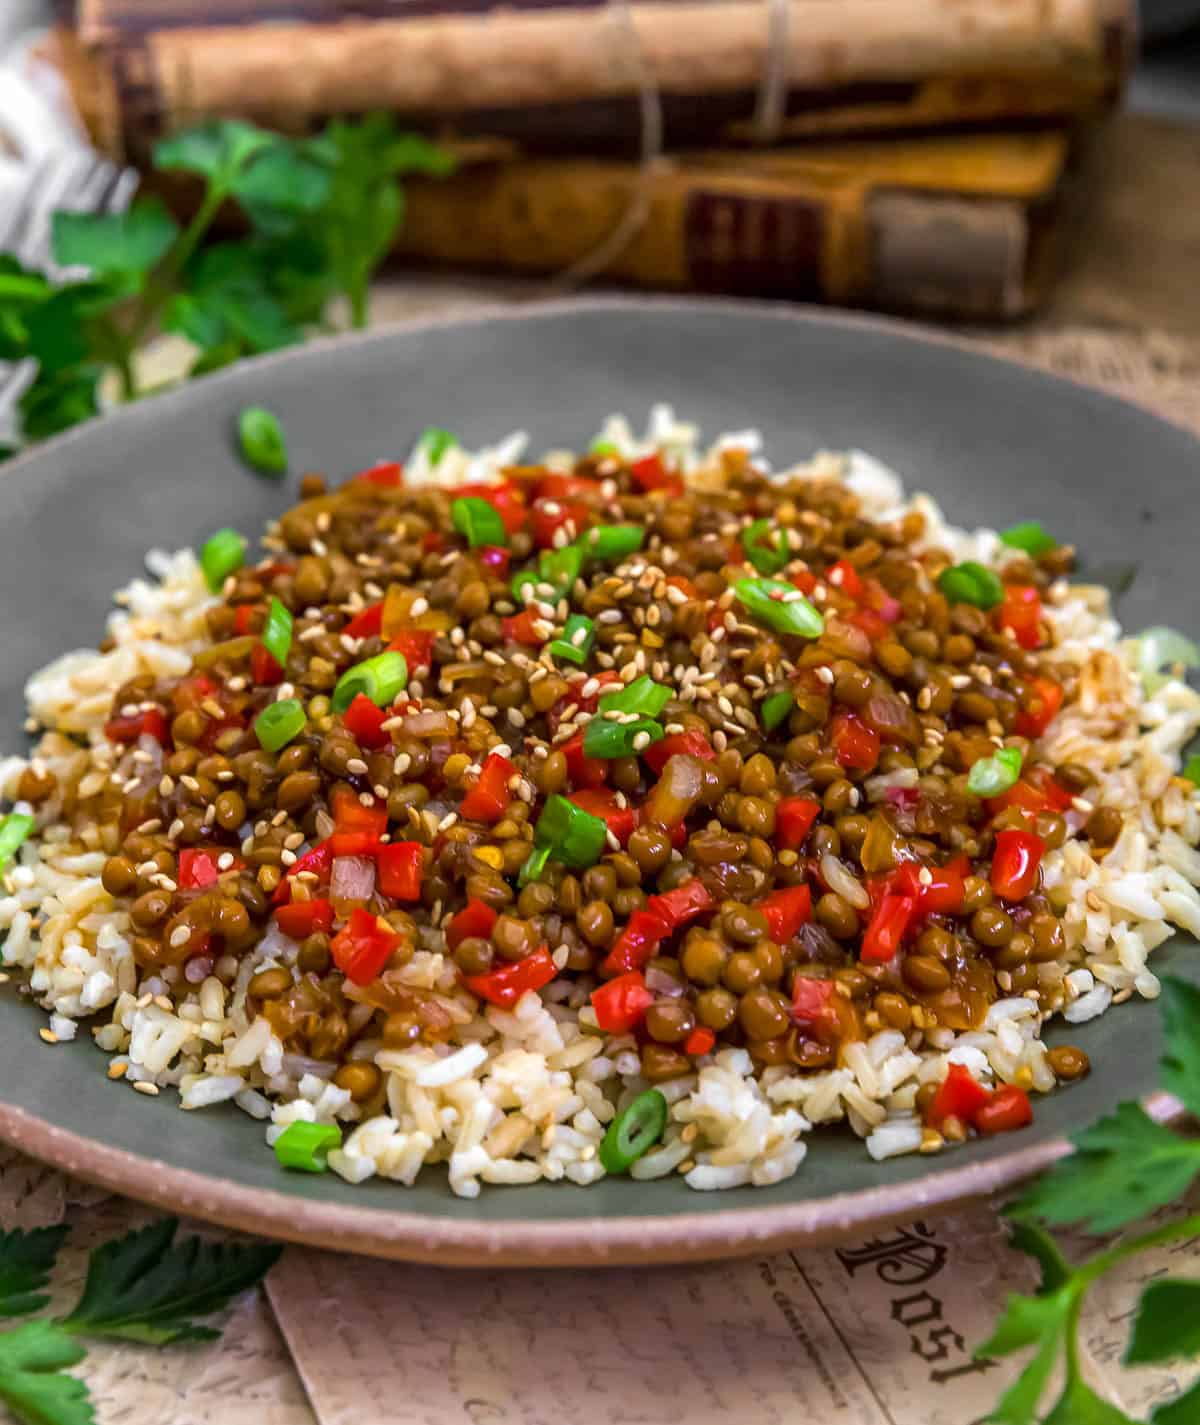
(447, 821)
(151, 1090)
(288, 858)
(357, 767)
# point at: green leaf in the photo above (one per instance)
(280, 185)
(59, 400)
(229, 299)
(219, 150)
(1124, 1167)
(26, 1261)
(32, 1383)
(1027, 1321)
(60, 330)
(1080, 1405)
(261, 441)
(410, 153)
(1181, 1027)
(143, 1287)
(1183, 1410)
(129, 242)
(1019, 1402)
(1035, 1242)
(1167, 1323)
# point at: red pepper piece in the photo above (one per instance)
(884, 934)
(520, 628)
(318, 862)
(855, 745)
(417, 646)
(1021, 613)
(700, 1041)
(621, 1003)
(474, 921)
(575, 699)
(505, 986)
(693, 744)
(1015, 861)
(1036, 791)
(1009, 1109)
(650, 473)
(363, 947)
(494, 557)
(367, 623)
(960, 1095)
(148, 722)
(505, 498)
(399, 870)
(356, 828)
(599, 801)
(433, 541)
(1041, 710)
(794, 817)
(786, 911)
(197, 870)
(364, 722)
(636, 944)
(551, 516)
(583, 771)
(684, 903)
(813, 1003)
(245, 619)
(844, 576)
(877, 599)
(300, 919)
(556, 486)
(874, 625)
(191, 691)
(265, 670)
(943, 893)
(490, 796)
(389, 474)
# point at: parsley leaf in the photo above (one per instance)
(1027, 1237)
(129, 242)
(229, 301)
(58, 400)
(1028, 1321)
(1183, 1410)
(1124, 1166)
(1181, 1026)
(218, 151)
(32, 1383)
(26, 1261)
(1080, 1405)
(1167, 1323)
(143, 1287)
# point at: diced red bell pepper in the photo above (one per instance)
(433, 541)
(473, 922)
(1015, 861)
(583, 771)
(556, 486)
(505, 498)
(700, 1041)
(363, 947)
(575, 699)
(387, 473)
(1042, 709)
(400, 864)
(520, 628)
(786, 911)
(197, 870)
(489, 797)
(844, 576)
(505, 986)
(551, 516)
(599, 801)
(318, 861)
(245, 619)
(684, 585)
(960, 1095)
(813, 1002)
(1036, 791)
(885, 932)
(1021, 613)
(265, 670)
(794, 818)
(367, 623)
(682, 904)
(148, 722)
(855, 745)
(692, 744)
(364, 722)
(636, 944)
(356, 828)
(874, 625)
(944, 891)
(494, 557)
(620, 1004)
(650, 473)
(191, 691)
(417, 646)
(300, 919)
(1008, 1109)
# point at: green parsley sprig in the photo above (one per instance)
(321, 214)
(143, 1287)
(1123, 1167)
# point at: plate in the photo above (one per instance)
(993, 442)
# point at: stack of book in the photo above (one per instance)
(912, 155)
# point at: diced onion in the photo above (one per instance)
(842, 883)
(352, 878)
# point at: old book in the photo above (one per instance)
(964, 226)
(572, 75)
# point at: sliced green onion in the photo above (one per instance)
(535, 864)
(14, 828)
(578, 636)
(1191, 769)
(277, 632)
(1162, 648)
(380, 678)
(612, 541)
(634, 1132)
(560, 568)
(600, 446)
(261, 439)
(642, 696)
(971, 583)
(1030, 538)
(605, 737)
(434, 443)
(767, 558)
(479, 521)
(221, 555)
(775, 708)
(989, 776)
(279, 723)
(780, 606)
(570, 834)
(305, 1147)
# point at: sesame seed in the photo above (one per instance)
(1081, 804)
(288, 858)
(151, 1090)
(225, 861)
(447, 821)
(180, 936)
(190, 783)
(356, 767)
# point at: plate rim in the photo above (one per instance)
(400, 1234)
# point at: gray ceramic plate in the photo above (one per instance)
(994, 442)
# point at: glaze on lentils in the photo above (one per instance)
(790, 856)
